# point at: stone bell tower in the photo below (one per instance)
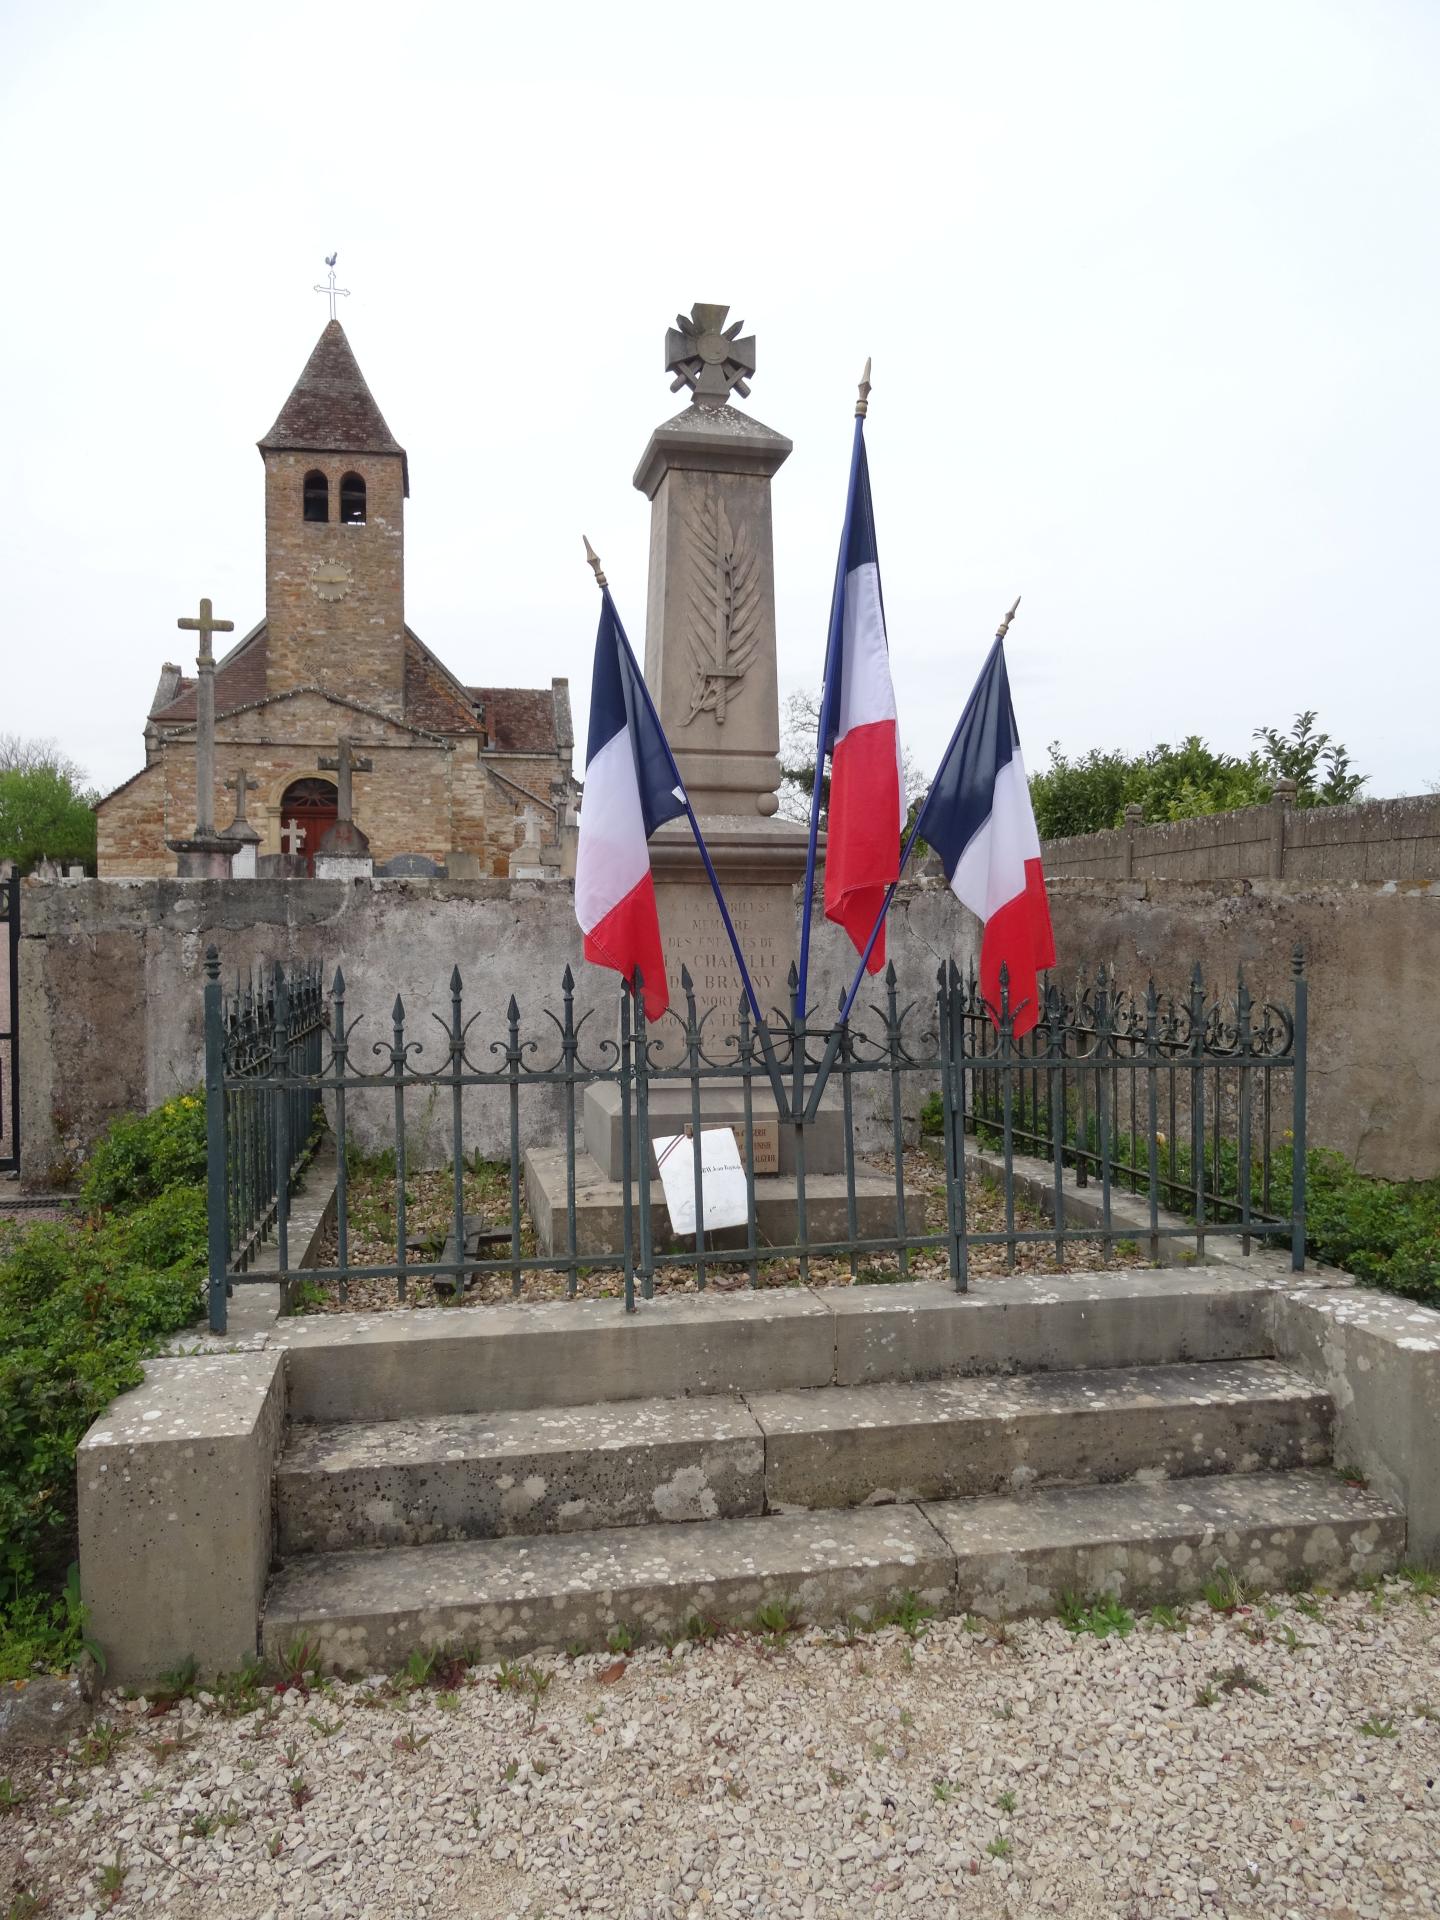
(336, 482)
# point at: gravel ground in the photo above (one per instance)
(430, 1207)
(1266, 1761)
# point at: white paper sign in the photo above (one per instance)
(722, 1179)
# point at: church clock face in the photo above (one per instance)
(330, 580)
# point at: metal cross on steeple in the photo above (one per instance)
(335, 293)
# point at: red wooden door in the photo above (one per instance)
(308, 810)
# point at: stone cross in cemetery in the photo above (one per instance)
(527, 862)
(243, 865)
(292, 837)
(206, 855)
(344, 852)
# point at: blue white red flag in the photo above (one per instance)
(631, 788)
(979, 819)
(860, 732)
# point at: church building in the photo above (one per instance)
(449, 775)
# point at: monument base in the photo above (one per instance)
(722, 1104)
(344, 866)
(206, 857)
(600, 1209)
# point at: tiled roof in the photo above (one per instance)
(239, 681)
(331, 409)
(434, 699)
(519, 719)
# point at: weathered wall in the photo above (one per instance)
(1372, 956)
(111, 979)
(1367, 844)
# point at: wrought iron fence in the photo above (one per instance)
(263, 1044)
(1058, 1091)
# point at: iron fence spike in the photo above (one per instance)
(456, 983)
(338, 985)
(686, 983)
(567, 979)
(397, 1012)
(212, 962)
(512, 1012)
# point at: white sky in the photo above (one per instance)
(1151, 292)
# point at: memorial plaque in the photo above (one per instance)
(694, 937)
(766, 1135)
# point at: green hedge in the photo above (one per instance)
(82, 1305)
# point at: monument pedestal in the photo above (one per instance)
(204, 857)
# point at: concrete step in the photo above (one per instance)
(424, 1363)
(846, 1446)
(556, 1470)
(366, 1611)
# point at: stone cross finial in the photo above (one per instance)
(707, 356)
(292, 836)
(343, 764)
(205, 625)
(531, 821)
(240, 784)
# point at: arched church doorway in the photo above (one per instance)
(308, 810)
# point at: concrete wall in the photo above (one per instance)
(1368, 844)
(111, 979)
(1372, 957)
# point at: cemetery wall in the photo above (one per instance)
(1372, 957)
(111, 978)
(1366, 844)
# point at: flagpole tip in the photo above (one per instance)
(862, 405)
(592, 559)
(1005, 623)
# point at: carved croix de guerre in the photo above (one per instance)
(724, 595)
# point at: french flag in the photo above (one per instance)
(860, 732)
(631, 788)
(978, 818)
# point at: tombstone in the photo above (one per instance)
(344, 852)
(206, 855)
(409, 866)
(462, 864)
(281, 866)
(527, 862)
(246, 838)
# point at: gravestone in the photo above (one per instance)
(206, 855)
(344, 852)
(409, 866)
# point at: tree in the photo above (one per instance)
(799, 724)
(1092, 791)
(45, 811)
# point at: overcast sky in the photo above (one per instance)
(1151, 292)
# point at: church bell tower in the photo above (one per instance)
(336, 482)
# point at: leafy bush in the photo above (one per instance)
(142, 1155)
(82, 1305)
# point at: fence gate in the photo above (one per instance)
(10, 1024)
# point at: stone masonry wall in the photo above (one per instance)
(1367, 844)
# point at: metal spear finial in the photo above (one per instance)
(1005, 623)
(593, 559)
(862, 405)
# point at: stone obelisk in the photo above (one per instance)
(710, 664)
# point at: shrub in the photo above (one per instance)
(140, 1156)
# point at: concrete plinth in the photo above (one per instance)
(207, 857)
(722, 1104)
(174, 1487)
(600, 1208)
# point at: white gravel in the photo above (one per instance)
(740, 1779)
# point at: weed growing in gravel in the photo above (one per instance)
(101, 1744)
(1224, 1593)
(202, 1826)
(702, 1628)
(327, 1729)
(1006, 1800)
(26, 1905)
(1237, 1679)
(1101, 1617)
(907, 1719)
(835, 1776)
(163, 1750)
(290, 1752)
(410, 1742)
(297, 1665)
(910, 1614)
(1206, 1696)
(9, 1798)
(1166, 1620)
(239, 1693)
(1307, 1604)
(1377, 1729)
(777, 1620)
(112, 1880)
(1291, 1638)
(447, 1702)
(273, 1845)
(999, 1848)
(509, 1770)
(943, 1790)
(298, 1791)
(620, 1640)
(1423, 1582)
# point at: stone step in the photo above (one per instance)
(422, 1363)
(846, 1446)
(364, 1611)
(477, 1476)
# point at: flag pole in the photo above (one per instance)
(827, 688)
(593, 560)
(1000, 633)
